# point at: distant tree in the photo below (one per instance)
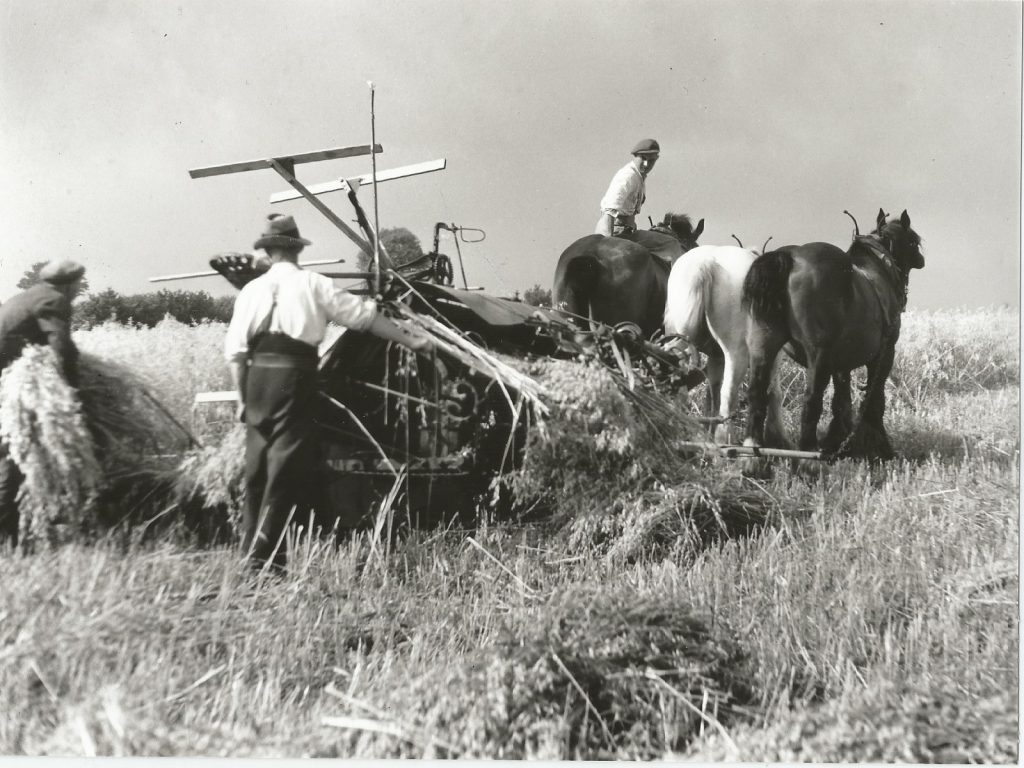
(31, 277)
(97, 309)
(537, 296)
(403, 247)
(148, 309)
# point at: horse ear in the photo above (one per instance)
(905, 219)
(699, 229)
(880, 221)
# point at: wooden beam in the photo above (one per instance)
(302, 157)
(223, 396)
(367, 178)
(349, 275)
(212, 273)
(732, 451)
(327, 212)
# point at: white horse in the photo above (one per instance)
(703, 306)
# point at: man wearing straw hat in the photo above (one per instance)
(628, 189)
(279, 320)
(38, 315)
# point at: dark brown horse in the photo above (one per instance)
(619, 279)
(832, 312)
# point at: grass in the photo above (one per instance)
(868, 614)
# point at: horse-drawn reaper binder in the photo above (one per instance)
(434, 431)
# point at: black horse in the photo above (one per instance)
(623, 279)
(832, 312)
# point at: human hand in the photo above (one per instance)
(419, 342)
(240, 412)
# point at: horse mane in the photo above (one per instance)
(679, 223)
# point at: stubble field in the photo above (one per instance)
(871, 615)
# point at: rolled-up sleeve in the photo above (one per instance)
(343, 307)
(623, 193)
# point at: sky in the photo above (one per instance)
(773, 117)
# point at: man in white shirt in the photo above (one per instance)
(278, 321)
(626, 194)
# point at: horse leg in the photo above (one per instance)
(714, 371)
(814, 395)
(736, 362)
(774, 429)
(875, 441)
(842, 413)
(764, 344)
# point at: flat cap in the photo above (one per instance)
(646, 147)
(61, 272)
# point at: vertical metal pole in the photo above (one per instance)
(373, 165)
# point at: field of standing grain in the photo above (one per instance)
(871, 615)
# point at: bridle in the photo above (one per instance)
(881, 247)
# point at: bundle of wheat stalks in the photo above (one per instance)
(91, 457)
(44, 429)
(593, 675)
(214, 476)
(887, 721)
(606, 464)
(520, 390)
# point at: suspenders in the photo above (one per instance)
(264, 327)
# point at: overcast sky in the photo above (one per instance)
(772, 117)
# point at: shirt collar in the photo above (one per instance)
(283, 266)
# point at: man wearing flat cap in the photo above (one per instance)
(626, 194)
(39, 315)
(271, 345)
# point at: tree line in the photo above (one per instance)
(148, 309)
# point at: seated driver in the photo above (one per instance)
(626, 194)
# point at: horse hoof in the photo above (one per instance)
(755, 468)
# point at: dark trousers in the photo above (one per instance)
(10, 483)
(280, 449)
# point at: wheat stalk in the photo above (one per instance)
(44, 429)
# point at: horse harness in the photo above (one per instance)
(663, 229)
(881, 250)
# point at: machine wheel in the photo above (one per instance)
(443, 272)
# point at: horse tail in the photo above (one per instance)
(575, 280)
(765, 293)
(689, 291)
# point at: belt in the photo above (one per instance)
(278, 360)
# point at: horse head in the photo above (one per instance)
(680, 227)
(902, 242)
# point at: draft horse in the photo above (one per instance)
(832, 312)
(704, 306)
(622, 279)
